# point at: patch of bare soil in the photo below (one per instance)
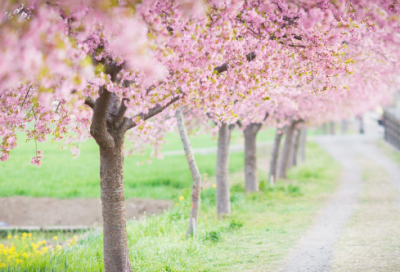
(371, 239)
(42, 212)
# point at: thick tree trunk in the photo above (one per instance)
(250, 157)
(296, 143)
(274, 157)
(303, 144)
(113, 209)
(194, 170)
(332, 127)
(222, 171)
(285, 157)
(108, 128)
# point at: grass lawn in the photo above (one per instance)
(256, 237)
(61, 176)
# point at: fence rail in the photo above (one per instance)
(391, 123)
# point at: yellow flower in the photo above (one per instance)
(58, 247)
(16, 237)
(75, 237)
(55, 238)
(181, 198)
(9, 237)
(214, 185)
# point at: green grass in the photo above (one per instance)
(389, 150)
(61, 176)
(256, 237)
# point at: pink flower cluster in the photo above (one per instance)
(230, 59)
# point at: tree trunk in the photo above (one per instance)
(115, 245)
(296, 143)
(196, 189)
(222, 171)
(285, 157)
(303, 144)
(344, 127)
(332, 127)
(361, 124)
(274, 157)
(250, 157)
(108, 128)
(323, 128)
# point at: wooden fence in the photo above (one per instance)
(391, 123)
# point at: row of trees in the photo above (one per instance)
(118, 70)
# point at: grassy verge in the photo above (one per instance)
(389, 150)
(261, 230)
(370, 240)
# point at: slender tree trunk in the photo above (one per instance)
(290, 161)
(361, 124)
(303, 144)
(324, 129)
(250, 156)
(195, 175)
(332, 127)
(222, 171)
(285, 157)
(113, 209)
(274, 157)
(296, 144)
(344, 127)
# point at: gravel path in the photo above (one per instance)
(316, 249)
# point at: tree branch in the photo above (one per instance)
(121, 111)
(98, 128)
(266, 116)
(129, 123)
(90, 102)
(224, 67)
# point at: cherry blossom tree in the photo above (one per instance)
(78, 69)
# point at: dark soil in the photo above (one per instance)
(27, 211)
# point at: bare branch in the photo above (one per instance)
(90, 102)
(121, 111)
(266, 116)
(251, 56)
(224, 67)
(129, 123)
(27, 93)
(211, 118)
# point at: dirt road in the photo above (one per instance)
(341, 237)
